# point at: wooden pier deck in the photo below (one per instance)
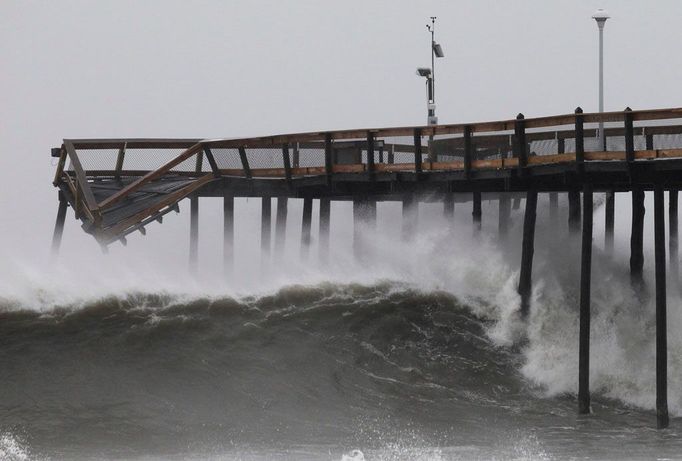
(120, 186)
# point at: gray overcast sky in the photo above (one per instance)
(226, 69)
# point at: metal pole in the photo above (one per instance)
(602, 135)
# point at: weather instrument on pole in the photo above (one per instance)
(429, 74)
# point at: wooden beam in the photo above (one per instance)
(119, 161)
(325, 220)
(305, 227)
(370, 154)
(410, 216)
(417, 151)
(286, 161)
(574, 211)
(662, 419)
(265, 230)
(585, 288)
(281, 227)
(637, 238)
(504, 214)
(673, 238)
(81, 177)
(58, 226)
(609, 221)
(228, 235)
(193, 234)
(245, 162)
(151, 176)
(579, 141)
(476, 211)
(212, 162)
(520, 147)
(525, 288)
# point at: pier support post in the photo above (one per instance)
(609, 219)
(525, 289)
(585, 285)
(637, 238)
(661, 324)
(410, 216)
(504, 214)
(323, 240)
(280, 226)
(228, 234)
(574, 211)
(449, 208)
(305, 227)
(58, 226)
(364, 218)
(476, 211)
(265, 229)
(553, 207)
(673, 239)
(193, 234)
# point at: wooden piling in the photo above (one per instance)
(228, 234)
(280, 226)
(609, 220)
(305, 227)
(410, 216)
(449, 208)
(661, 324)
(364, 219)
(193, 234)
(59, 226)
(553, 207)
(476, 212)
(265, 229)
(325, 220)
(504, 214)
(585, 285)
(525, 289)
(637, 238)
(673, 239)
(574, 211)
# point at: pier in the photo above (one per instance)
(117, 187)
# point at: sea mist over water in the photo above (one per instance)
(418, 352)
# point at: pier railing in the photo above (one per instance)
(518, 144)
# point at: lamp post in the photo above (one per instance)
(601, 16)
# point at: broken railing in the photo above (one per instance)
(515, 144)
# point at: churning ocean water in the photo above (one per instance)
(421, 357)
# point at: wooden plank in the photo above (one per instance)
(551, 159)
(111, 234)
(669, 153)
(150, 176)
(447, 166)
(352, 168)
(612, 155)
(395, 167)
(487, 164)
(133, 143)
